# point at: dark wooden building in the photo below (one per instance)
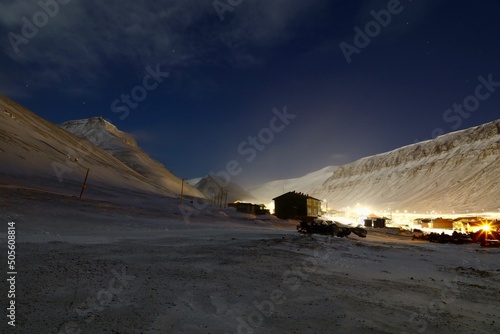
(294, 205)
(256, 209)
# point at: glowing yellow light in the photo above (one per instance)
(486, 228)
(361, 211)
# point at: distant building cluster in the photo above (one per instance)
(461, 224)
(291, 205)
(255, 209)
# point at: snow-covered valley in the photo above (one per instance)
(133, 256)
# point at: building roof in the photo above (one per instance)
(296, 194)
(468, 219)
(440, 220)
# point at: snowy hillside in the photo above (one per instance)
(124, 147)
(306, 184)
(458, 172)
(37, 153)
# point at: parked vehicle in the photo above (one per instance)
(328, 227)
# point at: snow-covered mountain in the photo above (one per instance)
(459, 171)
(124, 147)
(37, 153)
(456, 172)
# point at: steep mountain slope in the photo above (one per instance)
(124, 147)
(37, 153)
(458, 172)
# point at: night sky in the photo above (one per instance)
(346, 79)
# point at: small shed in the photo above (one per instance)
(379, 223)
(372, 220)
(294, 205)
(423, 222)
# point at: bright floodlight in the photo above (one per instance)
(486, 227)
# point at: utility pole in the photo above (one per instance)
(182, 191)
(84, 185)
(220, 198)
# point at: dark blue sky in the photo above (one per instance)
(226, 76)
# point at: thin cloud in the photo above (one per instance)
(338, 159)
(87, 35)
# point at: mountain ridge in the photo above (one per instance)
(37, 153)
(455, 172)
(124, 147)
(452, 172)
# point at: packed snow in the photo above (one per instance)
(94, 266)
